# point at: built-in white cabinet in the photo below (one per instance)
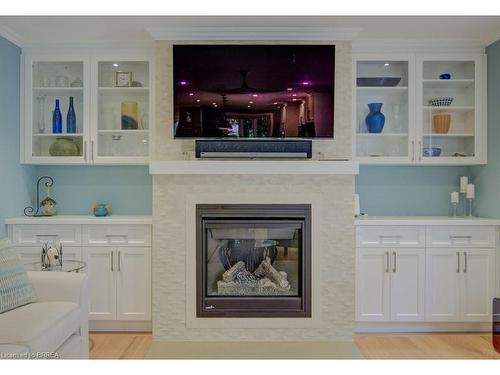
(390, 284)
(119, 283)
(429, 274)
(428, 119)
(460, 284)
(117, 253)
(111, 94)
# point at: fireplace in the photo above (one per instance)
(253, 260)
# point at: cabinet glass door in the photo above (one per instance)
(449, 114)
(123, 103)
(385, 82)
(54, 139)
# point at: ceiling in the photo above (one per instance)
(27, 30)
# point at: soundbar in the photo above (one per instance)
(255, 148)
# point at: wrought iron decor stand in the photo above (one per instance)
(30, 211)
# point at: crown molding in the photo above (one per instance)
(253, 33)
(7, 33)
(366, 45)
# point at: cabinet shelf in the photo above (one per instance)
(67, 135)
(459, 109)
(445, 83)
(382, 135)
(451, 135)
(123, 131)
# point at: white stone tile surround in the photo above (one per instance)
(175, 248)
(174, 197)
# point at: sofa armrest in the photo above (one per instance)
(59, 286)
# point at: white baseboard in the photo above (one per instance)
(120, 326)
(416, 327)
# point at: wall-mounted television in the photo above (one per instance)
(253, 91)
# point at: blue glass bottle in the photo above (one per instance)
(57, 119)
(71, 118)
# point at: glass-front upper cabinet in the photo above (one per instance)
(451, 107)
(56, 117)
(384, 116)
(122, 116)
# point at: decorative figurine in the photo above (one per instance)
(48, 205)
(51, 255)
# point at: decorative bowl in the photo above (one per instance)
(378, 81)
(442, 101)
(432, 151)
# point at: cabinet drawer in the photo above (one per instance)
(460, 236)
(36, 235)
(123, 235)
(400, 236)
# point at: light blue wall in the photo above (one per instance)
(77, 188)
(16, 180)
(487, 177)
(410, 191)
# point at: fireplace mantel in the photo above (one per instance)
(254, 167)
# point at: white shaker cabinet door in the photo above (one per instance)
(372, 284)
(101, 264)
(133, 283)
(443, 284)
(478, 284)
(407, 284)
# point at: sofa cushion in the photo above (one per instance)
(40, 326)
(16, 288)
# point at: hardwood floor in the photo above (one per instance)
(373, 346)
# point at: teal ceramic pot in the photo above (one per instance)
(101, 210)
(64, 146)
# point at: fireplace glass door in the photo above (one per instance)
(253, 261)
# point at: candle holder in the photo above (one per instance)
(454, 205)
(464, 205)
(470, 206)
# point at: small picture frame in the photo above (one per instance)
(123, 79)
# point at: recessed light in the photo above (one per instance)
(183, 83)
(115, 65)
(191, 94)
(294, 99)
(255, 95)
(386, 64)
(305, 83)
(294, 94)
(249, 106)
(289, 89)
(250, 102)
(198, 100)
(275, 103)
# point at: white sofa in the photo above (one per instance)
(55, 326)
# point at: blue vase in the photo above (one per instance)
(57, 119)
(375, 120)
(71, 117)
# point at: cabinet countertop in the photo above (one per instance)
(82, 219)
(425, 220)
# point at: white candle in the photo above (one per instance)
(454, 197)
(464, 181)
(471, 191)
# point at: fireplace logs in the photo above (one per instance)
(266, 280)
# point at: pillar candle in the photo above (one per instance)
(464, 180)
(471, 191)
(454, 197)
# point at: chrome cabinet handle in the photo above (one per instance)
(465, 261)
(458, 261)
(461, 237)
(394, 265)
(92, 150)
(420, 150)
(386, 261)
(119, 261)
(85, 150)
(112, 260)
(412, 150)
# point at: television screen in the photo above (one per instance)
(253, 91)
